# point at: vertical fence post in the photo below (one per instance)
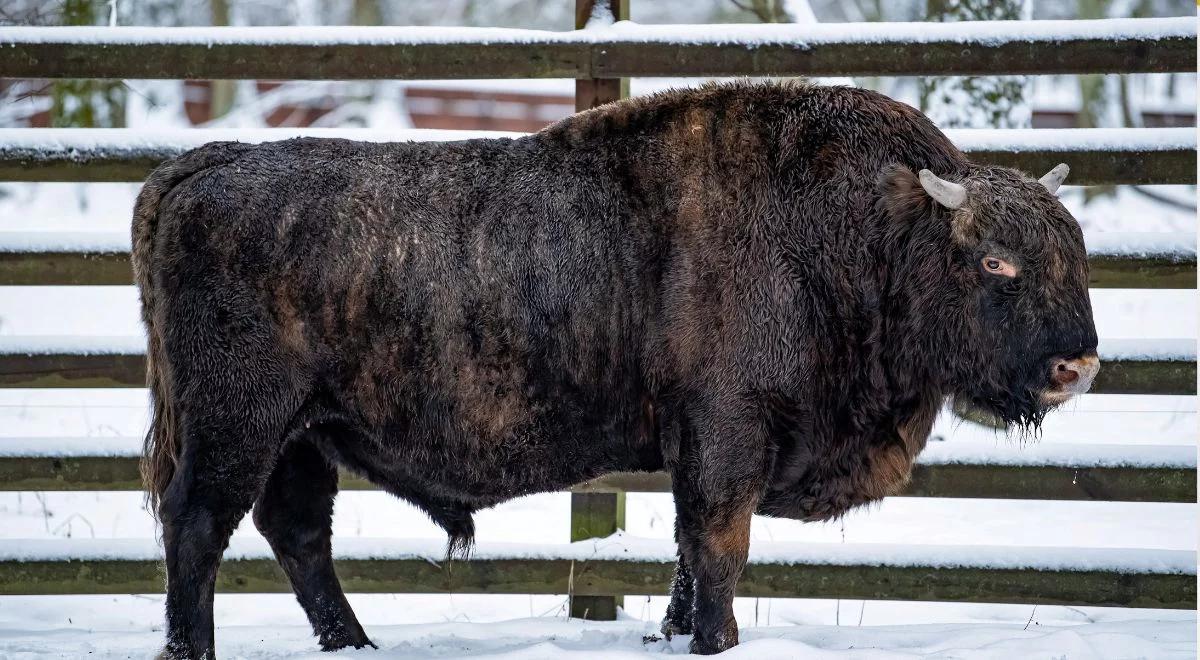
(596, 515)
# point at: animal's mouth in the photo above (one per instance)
(1052, 397)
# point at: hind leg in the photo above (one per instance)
(294, 514)
(217, 482)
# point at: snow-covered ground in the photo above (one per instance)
(264, 629)
(536, 626)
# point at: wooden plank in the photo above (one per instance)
(1126, 272)
(113, 268)
(1101, 166)
(603, 578)
(967, 48)
(65, 268)
(1138, 164)
(72, 370)
(1146, 377)
(113, 370)
(596, 515)
(601, 517)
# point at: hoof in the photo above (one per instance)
(337, 644)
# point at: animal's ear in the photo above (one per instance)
(906, 198)
(901, 194)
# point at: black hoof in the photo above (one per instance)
(337, 644)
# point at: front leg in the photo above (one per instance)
(717, 484)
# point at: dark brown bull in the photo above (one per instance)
(749, 286)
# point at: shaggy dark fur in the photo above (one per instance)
(742, 284)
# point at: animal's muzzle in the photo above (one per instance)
(1071, 377)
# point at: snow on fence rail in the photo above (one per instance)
(1096, 156)
(1004, 452)
(1135, 473)
(1117, 260)
(620, 564)
(624, 49)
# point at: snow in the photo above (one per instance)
(798, 35)
(454, 625)
(55, 141)
(1072, 139)
(51, 142)
(624, 547)
(1047, 454)
(1178, 246)
(552, 638)
(73, 344)
(65, 241)
(936, 453)
(1144, 349)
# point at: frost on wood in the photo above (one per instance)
(1000, 452)
(623, 49)
(1176, 247)
(72, 144)
(981, 32)
(623, 547)
(1072, 139)
(1164, 350)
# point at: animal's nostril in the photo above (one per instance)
(1064, 374)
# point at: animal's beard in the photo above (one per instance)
(1015, 404)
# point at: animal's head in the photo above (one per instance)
(1023, 339)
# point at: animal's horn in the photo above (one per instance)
(947, 193)
(1055, 177)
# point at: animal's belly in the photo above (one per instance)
(483, 453)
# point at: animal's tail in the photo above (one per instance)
(161, 451)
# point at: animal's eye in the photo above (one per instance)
(997, 266)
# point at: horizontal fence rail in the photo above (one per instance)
(1116, 260)
(1096, 156)
(1149, 45)
(33, 363)
(1137, 473)
(620, 565)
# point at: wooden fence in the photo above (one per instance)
(598, 59)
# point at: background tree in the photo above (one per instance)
(224, 92)
(976, 101)
(87, 103)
